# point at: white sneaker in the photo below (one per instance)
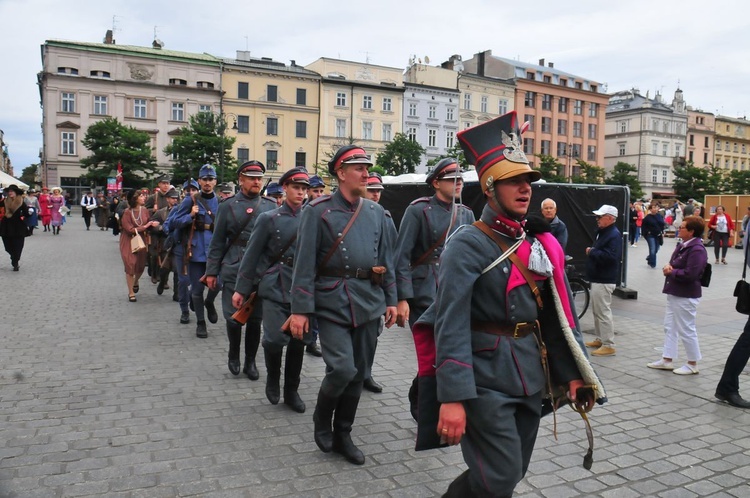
(635, 245)
(686, 370)
(661, 365)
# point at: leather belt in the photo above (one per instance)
(360, 273)
(200, 227)
(516, 331)
(434, 261)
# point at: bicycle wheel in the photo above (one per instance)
(581, 296)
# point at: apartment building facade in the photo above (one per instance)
(359, 103)
(152, 89)
(700, 137)
(647, 133)
(565, 111)
(272, 109)
(732, 151)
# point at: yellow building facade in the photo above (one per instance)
(732, 145)
(359, 103)
(272, 110)
(700, 139)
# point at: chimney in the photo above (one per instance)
(480, 65)
(541, 62)
(108, 40)
(294, 63)
(551, 64)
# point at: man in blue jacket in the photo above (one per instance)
(603, 271)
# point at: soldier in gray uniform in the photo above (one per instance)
(490, 325)
(268, 261)
(234, 224)
(159, 239)
(426, 225)
(347, 280)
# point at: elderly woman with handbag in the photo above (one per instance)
(135, 222)
(682, 285)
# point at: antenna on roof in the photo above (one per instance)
(114, 24)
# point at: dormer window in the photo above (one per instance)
(67, 70)
(177, 82)
(204, 84)
(100, 74)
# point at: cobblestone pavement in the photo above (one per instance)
(102, 397)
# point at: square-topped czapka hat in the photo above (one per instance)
(495, 148)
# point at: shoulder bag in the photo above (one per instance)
(136, 242)
(742, 291)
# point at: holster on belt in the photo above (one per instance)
(376, 275)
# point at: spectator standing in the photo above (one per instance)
(13, 224)
(633, 223)
(653, 229)
(683, 289)
(723, 226)
(556, 225)
(728, 388)
(603, 271)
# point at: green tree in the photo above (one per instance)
(28, 174)
(400, 156)
(110, 143)
(738, 182)
(622, 174)
(551, 169)
(691, 181)
(456, 152)
(202, 141)
(588, 173)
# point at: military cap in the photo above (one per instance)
(251, 168)
(190, 184)
(445, 169)
(225, 188)
(348, 154)
(496, 150)
(375, 182)
(295, 175)
(163, 179)
(274, 189)
(172, 193)
(316, 182)
(207, 171)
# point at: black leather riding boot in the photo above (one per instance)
(322, 421)
(234, 334)
(346, 410)
(252, 340)
(295, 352)
(273, 367)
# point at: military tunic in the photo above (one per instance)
(348, 308)
(264, 264)
(499, 379)
(199, 243)
(232, 218)
(424, 223)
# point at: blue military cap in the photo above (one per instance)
(445, 169)
(207, 171)
(316, 182)
(190, 184)
(274, 189)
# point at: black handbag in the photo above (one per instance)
(742, 291)
(706, 275)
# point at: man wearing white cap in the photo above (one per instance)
(603, 271)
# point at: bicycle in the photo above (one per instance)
(579, 288)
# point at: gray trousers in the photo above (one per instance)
(346, 352)
(274, 316)
(601, 305)
(500, 435)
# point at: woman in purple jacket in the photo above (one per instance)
(683, 289)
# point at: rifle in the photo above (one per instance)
(242, 315)
(263, 190)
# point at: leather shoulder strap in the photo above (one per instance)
(343, 234)
(514, 259)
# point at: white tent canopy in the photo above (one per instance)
(7, 180)
(469, 176)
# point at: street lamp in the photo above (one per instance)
(223, 129)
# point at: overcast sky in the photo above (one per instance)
(647, 44)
